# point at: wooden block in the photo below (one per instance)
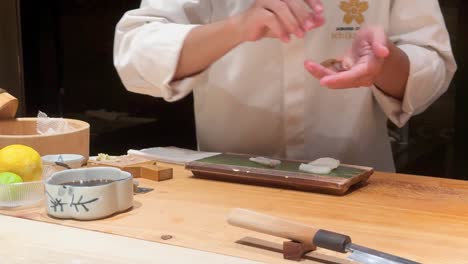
(139, 167)
(151, 172)
(295, 250)
(135, 171)
(120, 162)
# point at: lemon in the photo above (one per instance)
(9, 177)
(21, 160)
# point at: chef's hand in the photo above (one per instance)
(362, 64)
(279, 19)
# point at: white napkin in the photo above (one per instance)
(49, 126)
(171, 154)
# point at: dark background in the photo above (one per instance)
(71, 42)
(65, 48)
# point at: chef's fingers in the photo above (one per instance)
(379, 42)
(347, 61)
(285, 15)
(302, 13)
(357, 76)
(275, 26)
(315, 5)
(317, 16)
(317, 70)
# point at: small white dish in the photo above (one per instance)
(21, 194)
(88, 193)
(73, 161)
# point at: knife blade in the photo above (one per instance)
(342, 243)
(366, 255)
(309, 235)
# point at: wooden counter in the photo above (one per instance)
(420, 218)
(25, 241)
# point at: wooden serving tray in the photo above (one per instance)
(238, 168)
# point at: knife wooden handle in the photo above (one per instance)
(305, 234)
(272, 225)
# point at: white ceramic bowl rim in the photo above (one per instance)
(65, 157)
(113, 174)
(22, 183)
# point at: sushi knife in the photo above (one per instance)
(309, 235)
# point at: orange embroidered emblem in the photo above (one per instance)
(354, 10)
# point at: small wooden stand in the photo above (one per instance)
(293, 250)
(138, 167)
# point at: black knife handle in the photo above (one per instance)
(331, 240)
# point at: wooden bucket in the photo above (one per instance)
(23, 131)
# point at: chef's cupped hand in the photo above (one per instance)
(360, 66)
(280, 19)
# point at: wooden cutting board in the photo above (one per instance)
(238, 168)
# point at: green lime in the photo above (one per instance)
(9, 177)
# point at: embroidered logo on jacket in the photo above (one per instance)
(354, 10)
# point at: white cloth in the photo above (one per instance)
(258, 98)
(171, 154)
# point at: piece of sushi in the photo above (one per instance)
(326, 162)
(314, 169)
(266, 161)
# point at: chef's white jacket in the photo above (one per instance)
(259, 99)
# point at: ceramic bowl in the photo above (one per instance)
(73, 161)
(88, 193)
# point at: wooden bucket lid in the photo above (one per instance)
(8, 105)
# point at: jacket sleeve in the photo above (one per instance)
(417, 27)
(148, 42)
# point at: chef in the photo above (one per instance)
(296, 79)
